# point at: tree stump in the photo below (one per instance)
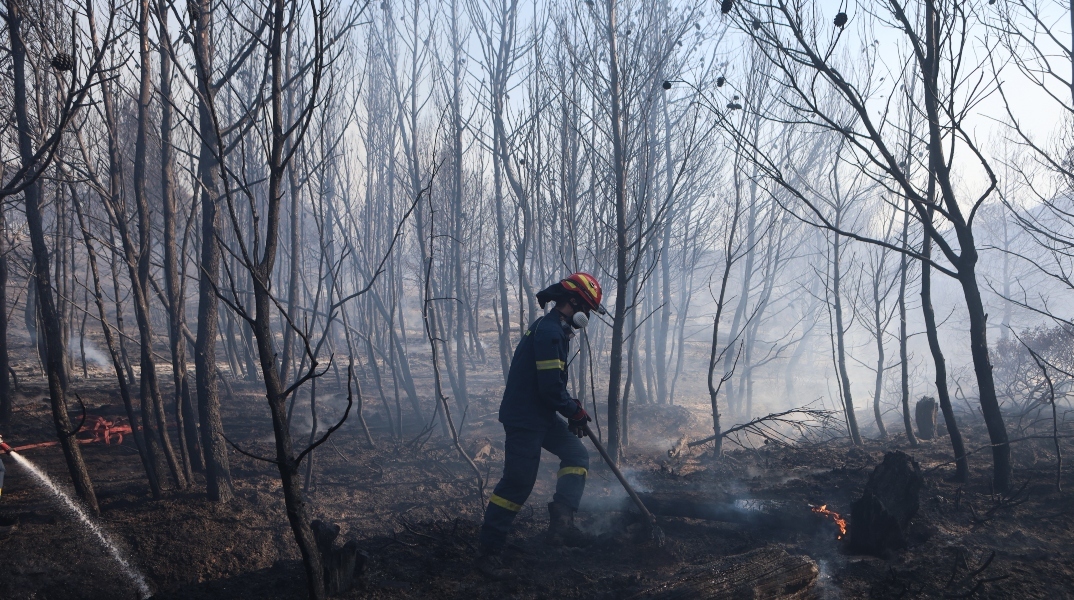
(925, 413)
(342, 566)
(762, 573)
(879, 519)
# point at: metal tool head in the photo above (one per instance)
(658, 535)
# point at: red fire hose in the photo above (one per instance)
(103, 430)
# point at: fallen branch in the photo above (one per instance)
(970, 577)
(811, 418)
(1001, 503)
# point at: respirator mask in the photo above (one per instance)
(580, 319)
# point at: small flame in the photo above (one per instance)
(834, 516)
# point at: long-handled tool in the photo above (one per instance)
(654, 529)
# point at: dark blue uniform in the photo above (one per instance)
(536, 391)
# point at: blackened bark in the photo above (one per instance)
(903, 352)
(6, 399)
(966, 262)
(844, 376)
(959, 448)
(615, 368)
(217, 469)
(294, 274)
(138, 264)
(982, 368)
(185, 418)
(51, 321)
(458, 308)
(261, 327)
(117, 296)
(878, 326)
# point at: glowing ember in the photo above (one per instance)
(834, 516)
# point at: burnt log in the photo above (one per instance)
(879, 520)
(925, 414)
(342, 566)
(754, 512)
(775, 513)
(762, 573)
(693, 506)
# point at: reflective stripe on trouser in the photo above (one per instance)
(522, 461)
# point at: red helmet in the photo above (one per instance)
(587, 288)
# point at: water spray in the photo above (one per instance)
(136, 578)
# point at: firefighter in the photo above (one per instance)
(537, 390)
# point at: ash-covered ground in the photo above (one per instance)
(414, 507)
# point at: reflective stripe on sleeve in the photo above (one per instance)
(572, 471)
(504, 503)
(547, 365)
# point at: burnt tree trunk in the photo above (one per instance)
(6, 399)
(342, 566)
(925, 415)
(880, 518)
(965, 263)
(962, 469)
(840, 337)
(138, 266)
(904, 364)
(174, 287)
(217, 469)
(615, 368)
(878, 326)
(51, 318)
(261, 324)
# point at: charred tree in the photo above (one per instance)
(51, 321)
(904, 355)
(619, 192)
(217, 468)
(962, 468)
(137, 259)
(6, 398)
(174, 284)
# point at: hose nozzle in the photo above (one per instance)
(4, 446)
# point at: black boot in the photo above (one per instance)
(490, 563)
(561, 528)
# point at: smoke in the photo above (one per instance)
(330, 409)
(632, 478)
(93, 354)
(608, 511)
(826, 586)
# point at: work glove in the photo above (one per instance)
(576, 422)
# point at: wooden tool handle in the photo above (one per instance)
(633, 495)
